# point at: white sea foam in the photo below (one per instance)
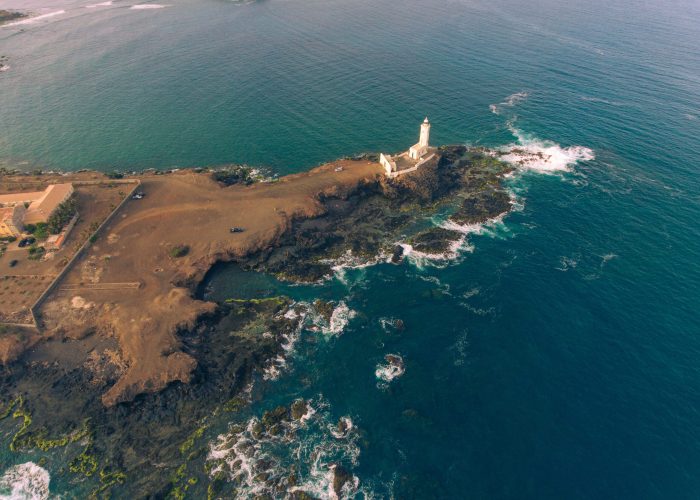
(387, 323)
(26, 481)
(101, 4)
(392, 369)
(340, 318)
(312, 446)
(602, 101)
(607, 258)
(274, 367)
(423, 259)
(148, 6)
(492, 227)
(534, 154)
(567, 263)
(33, 20)
(348, 261)
(347, 428)
(508, 102)
(4, 67)
(531, 153)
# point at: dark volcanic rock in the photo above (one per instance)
(230, 344)
(482, 206)
(397, 255)
(324, 308)
(340, 476)
(298, 409)
(435, 241)
(368, 221)
(6, 16)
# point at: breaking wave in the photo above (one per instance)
(531, 153)
(508, 102)
(306, 455)
(335, 324)
(276, 366)
(392, 369)
(101, 4)
(26, 481)
(148, 6)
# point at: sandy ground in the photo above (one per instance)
(127, 285)
(22, 284)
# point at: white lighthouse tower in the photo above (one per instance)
(419, 149)
(411, 160)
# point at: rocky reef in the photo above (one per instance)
(229, 346)
(154, 444)
(368, 221)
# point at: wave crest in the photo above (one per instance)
(531, 153)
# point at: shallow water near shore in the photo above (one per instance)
(557, 356)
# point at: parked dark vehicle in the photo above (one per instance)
(26, 242)
(13, 262)
(138, 195)
(237, 229)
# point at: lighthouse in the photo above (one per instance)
(424, 133)
(409, 161)
(420, 148)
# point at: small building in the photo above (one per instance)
(56, 241)
(411, 160)
(41, 209)
(11, 220)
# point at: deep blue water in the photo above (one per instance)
(560, 356)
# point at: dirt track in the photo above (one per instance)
(183, 208)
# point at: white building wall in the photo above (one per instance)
(388, 164)
(424, 134)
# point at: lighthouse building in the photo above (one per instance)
(411, 160)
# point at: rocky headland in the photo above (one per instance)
(149, 365)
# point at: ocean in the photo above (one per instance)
(556, 354)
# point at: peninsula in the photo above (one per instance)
(116, 316)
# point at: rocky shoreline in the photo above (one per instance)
(232, 342)
(8, 15)
(371, 219)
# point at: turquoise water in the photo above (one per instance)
(556, 357)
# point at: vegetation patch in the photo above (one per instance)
(36, 252)
(179, 251)
(62, 215)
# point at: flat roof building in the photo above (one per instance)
(41, 209)
(17, 198)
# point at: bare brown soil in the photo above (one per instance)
(130, 287)
(22, 284)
